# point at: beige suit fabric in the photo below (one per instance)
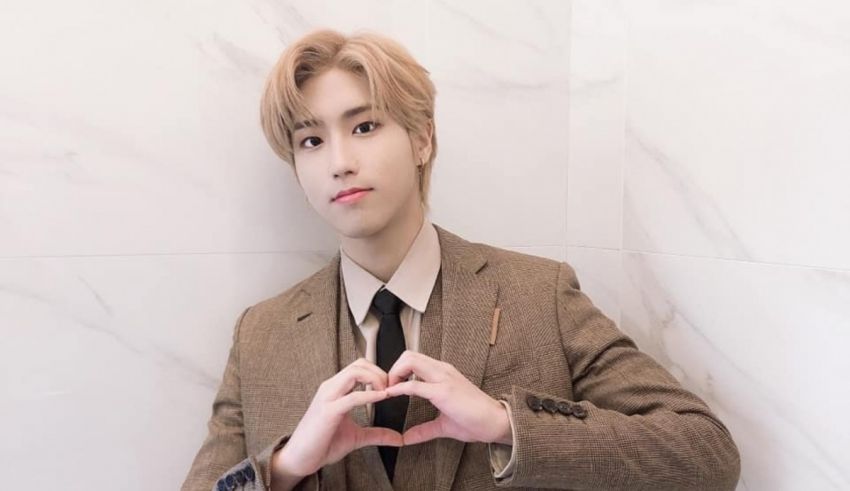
(642, 429)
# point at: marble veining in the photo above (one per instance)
(687, 158)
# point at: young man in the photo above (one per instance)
(416, 359)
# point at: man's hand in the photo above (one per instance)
(326, 432)
(466, 412)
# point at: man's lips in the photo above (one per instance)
(351, 194)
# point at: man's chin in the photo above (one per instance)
(359, 230)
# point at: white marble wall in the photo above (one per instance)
(708, 211)
(141, 210)
(687, 157)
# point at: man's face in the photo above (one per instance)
(349, 147)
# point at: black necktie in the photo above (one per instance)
(389, 413)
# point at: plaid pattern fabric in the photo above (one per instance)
(591, 411)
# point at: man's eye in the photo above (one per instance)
(366, 127)
(311, 141)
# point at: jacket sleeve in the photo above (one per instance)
(222, 463)
(632, 425)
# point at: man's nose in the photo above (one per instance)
(343, 160)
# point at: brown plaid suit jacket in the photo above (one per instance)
(641, 430)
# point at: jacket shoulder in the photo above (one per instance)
(520, 270)
(501, 263)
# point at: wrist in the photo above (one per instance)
(283, 476)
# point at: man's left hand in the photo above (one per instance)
(466, 412)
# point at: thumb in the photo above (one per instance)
(424, 432)
(370, 436)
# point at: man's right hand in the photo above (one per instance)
(326, 432)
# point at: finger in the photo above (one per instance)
(368, 365)
(360, 374)
(369, 436)
(424, 367)
(424, 432)
(363, 362)
(344, 381)
(417, 388)
(357, 398)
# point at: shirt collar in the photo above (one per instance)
(412, 282)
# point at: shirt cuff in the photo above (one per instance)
(503, 457)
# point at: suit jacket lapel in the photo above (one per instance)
(318, 316)
(430, 340)
(315, 313)
(469, 300)
(365, 463)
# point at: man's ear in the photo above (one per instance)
(422, 142)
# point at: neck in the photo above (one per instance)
(381, 254)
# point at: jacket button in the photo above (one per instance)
(221, 486)
(240, 477)
(231, 482)
(249, 473)
(564, 408)
(549, 406)
(534, 403)
(579, 412)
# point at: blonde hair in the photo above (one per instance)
(398, 86)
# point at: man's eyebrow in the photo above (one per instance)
(348, 114)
